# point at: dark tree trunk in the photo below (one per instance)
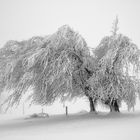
(66, 111)
(92, 107)
(114, 107)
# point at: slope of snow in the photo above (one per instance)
(75, 126)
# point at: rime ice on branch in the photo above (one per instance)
(60, 66)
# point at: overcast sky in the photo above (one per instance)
(22, 19)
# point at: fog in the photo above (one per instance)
(22, 19)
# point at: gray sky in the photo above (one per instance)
(22, 19)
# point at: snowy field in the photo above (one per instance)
(107, 126)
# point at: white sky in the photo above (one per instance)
(22, 19)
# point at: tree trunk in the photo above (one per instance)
(114, 107)
(92, 107)
(66, 111)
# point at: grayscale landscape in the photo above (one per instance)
(69, 69)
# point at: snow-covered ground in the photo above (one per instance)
(75, 126)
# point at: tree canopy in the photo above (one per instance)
(49, 65)
(116, 55)
(60, 66)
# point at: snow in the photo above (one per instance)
(78, 126)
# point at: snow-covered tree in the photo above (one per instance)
(60, 66)
(55, 66)
(113, 82)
